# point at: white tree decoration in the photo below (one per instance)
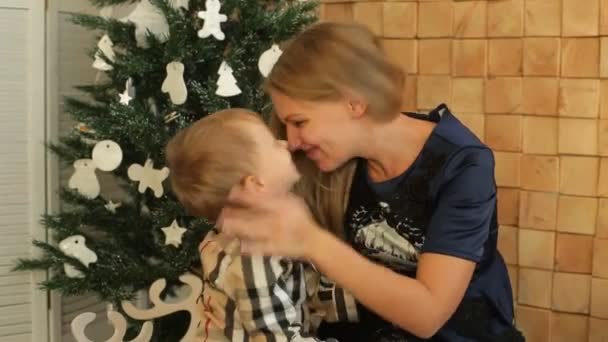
(75, 246)
(84, 179)
(107, 156)
(226, 84)
(148, 177)
(160, 309)
(174, 83)
(80, 322)
(173, 234)
(268, 59)
(148, 17)
(105, 47)
(213, 19)
(129, 93)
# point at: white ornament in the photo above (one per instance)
(84, 179)
(111, 206)
(105, 46)
(226, 84)
(160, 308)
(148, 17)
(174, 83)
(153, 106)
(179, 3)
(173, 234)
(80, 322)
(75, 246)
(107, 155)
(268, 59)
(148, 177)
(128, 94)
(213, 18)
(125, 98)
(129, 88)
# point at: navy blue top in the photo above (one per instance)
(444, 203)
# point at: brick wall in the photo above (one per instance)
(526, 76)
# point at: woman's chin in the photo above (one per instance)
(330, 165)
(325, 166)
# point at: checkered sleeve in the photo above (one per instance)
(269, 294)
(335, 303)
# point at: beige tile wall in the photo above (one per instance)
(530, 78)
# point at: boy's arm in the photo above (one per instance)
(334, 303)
(269, 293)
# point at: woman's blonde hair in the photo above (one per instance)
(329, 61)
(209, 157)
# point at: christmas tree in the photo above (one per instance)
(165, 65)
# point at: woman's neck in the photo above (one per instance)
(391, 148)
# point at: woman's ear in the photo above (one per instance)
(357, 105)
(252, 183)
(358, 108)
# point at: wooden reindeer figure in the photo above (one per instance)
(160, 308)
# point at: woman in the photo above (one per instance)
(410, 198)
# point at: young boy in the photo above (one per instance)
(247, 298)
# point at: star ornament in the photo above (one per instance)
(125, 98)
(173, 234)
(111, 206)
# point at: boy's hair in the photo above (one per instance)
(209, 157)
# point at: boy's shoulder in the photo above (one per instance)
(225, 266)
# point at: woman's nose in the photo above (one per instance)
(293, 141)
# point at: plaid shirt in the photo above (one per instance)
(264, 299)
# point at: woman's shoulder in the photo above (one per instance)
(452, 131)
(455, 146)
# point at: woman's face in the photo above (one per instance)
(324, 130)
(275, 166)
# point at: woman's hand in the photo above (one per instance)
(269, 224)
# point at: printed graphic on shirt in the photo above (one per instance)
(387, 238)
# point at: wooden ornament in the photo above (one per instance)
(80, 322)
(161, 308)
(148, 177)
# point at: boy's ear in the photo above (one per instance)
(252, 183)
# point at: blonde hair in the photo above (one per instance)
(326, 62)
(209, 157)
(326, 193)
(329, 60)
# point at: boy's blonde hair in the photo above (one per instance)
(209, 157)
(326, 62)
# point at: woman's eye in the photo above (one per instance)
(299, 124)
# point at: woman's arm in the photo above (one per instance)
(283, 226)
(455, 241)
(420, 306)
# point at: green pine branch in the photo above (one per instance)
(129, 244)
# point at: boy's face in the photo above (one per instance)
(275, 167)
